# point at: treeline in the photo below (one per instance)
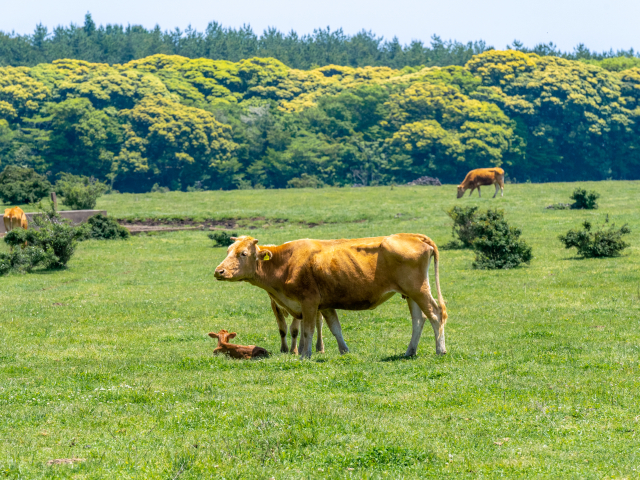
(117, 44)
(208, 124)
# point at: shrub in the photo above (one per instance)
(604, 242)
(24, 259)
(497, 245)
(80, 192)
(106, 228)
(584, 200)
(22, 185)
(57, 238)
(305, 181)
(463, 218)
(222, 239)
(158, 189)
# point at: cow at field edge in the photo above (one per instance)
(307, 276)
(236, 351)
(294, 329)
(482, 176)
(14, 218)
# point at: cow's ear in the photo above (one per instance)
(234, 238)
(213, 335)
(254, 241)
(231, 335)
(264, 255)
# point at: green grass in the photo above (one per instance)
(109, 360)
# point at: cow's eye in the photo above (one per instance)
(244, 254)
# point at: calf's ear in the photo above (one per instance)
(213, 335)
(231, 335)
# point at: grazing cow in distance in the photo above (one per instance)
(236, 351)
(294, 329)
(14, 218)
(305, 277)
(482, 176)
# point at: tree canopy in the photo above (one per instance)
(257, 122)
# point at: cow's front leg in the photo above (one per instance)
(497, 188)
(295, 330)
(331, 317)
(309, 313)
(319, 341)
(282, 326)
(479, 192)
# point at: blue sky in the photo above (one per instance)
(599, 25)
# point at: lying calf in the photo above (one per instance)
(236, 351)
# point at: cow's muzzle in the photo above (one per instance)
(220, 274)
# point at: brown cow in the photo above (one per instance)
(307, 276)
(482, 176)
(245, 352)
(14, 218)
(281, 314)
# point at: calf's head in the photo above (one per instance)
(460, 191)
(223, 336)
(241, 261)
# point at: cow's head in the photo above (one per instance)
(241, 261)
(223, 336)
(460, 191)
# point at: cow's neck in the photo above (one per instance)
(271, 274)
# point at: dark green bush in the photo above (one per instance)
(463, 218)
(56, 237)
(584, 200)
(222, 239)
(604, 242)
(497, 245)
(22, 185)
(106, 228)
(24, 259)
(80, 192)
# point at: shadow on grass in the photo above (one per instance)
(395, 358)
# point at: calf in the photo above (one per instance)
(236, 351)
(482, 176)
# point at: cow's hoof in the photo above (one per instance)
(294, 351)
(284, 350)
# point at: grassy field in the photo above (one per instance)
(109, 360)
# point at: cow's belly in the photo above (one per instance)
(293, 307)
(358, 303)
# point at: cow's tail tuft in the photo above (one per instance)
(436, 261)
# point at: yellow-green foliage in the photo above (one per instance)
(175, 121)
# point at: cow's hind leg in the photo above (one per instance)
(429, 307)
(319, 341)
(331, 317)
(479, 196)
(417, 322)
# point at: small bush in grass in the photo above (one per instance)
(24, 259)
(583, 200)
(222, 239)
(22, 185)
(463, 218)
(305, 181)
(57, 239)
(80, 192)
(604, 242)
(497, 245)
(158, 189)
(102, 227)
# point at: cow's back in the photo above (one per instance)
(483, 176)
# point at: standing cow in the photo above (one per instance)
(14, 218)
(305, 277)
(482, 176)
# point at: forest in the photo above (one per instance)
(182, 123)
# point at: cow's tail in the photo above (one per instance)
(436, 261)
